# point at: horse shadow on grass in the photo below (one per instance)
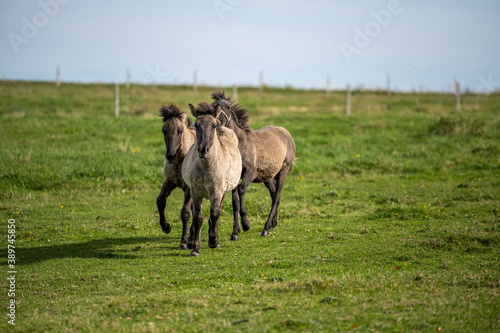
(104, 248)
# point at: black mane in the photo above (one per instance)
(204, 108)
(172, 111)
(226, 103)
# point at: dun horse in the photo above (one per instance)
(212, 168)
(179, 135)
(267, 156)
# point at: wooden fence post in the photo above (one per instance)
(117, 100)
(348, 100)
(388, 85)
(128, 78)
(195, 80)
(457, 95)
(58, 76)
(261, 81)
(328, 88)
(235, 93)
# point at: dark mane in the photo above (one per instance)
(172, 111)
(204, 108)
(226, 102)
(220, 95)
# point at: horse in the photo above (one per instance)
(267, 156)
(212, 168)
(179, 135)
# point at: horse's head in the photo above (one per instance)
(174, 123)
(232, 112)
(225, 103)
(206, 124)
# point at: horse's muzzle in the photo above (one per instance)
(203, 152)
(170, 157)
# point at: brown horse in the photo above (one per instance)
(267, 156)
(212, 168)
(179, 135)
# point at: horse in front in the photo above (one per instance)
(212, 168)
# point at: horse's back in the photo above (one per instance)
(274, 147)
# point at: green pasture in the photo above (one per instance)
(389, 221)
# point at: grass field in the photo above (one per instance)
(389, 221)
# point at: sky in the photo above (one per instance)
(421, 45)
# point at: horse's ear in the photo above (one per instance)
(217, 111)
(193, 110)
(183, 117)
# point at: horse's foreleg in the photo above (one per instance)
(213, 223)
(185, 214)
(197, 223)
(161, 202)
(280, 181)
(191, 230)
(246, 179)
(236, 214)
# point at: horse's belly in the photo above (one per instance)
(269, 164)
(267, 172)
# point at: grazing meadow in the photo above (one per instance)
(389, 220)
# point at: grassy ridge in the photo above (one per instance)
(388, 222)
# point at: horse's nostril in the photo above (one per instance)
(202, 152)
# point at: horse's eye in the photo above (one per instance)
(180, 131)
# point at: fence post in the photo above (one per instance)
(457, 95)
(128, 78)
(195, 80)
(328, 88)
(348, 100)
(117, 100)
(235, 93)
(388, 85)
(58, 76)
(261, 81)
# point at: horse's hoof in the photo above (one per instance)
(264, 233)
(190, 246)
(166, 228)
(234, 237)
(183, 247)
(214, 246)
(194, 253)
(246, 226)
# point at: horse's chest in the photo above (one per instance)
(174, 173)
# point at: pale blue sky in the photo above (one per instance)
(422, 44)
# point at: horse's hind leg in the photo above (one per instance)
(271, 186)
(185, 214)
(161, 202)
(280, 181)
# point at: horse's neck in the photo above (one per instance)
(188, 138)
(240, 133)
